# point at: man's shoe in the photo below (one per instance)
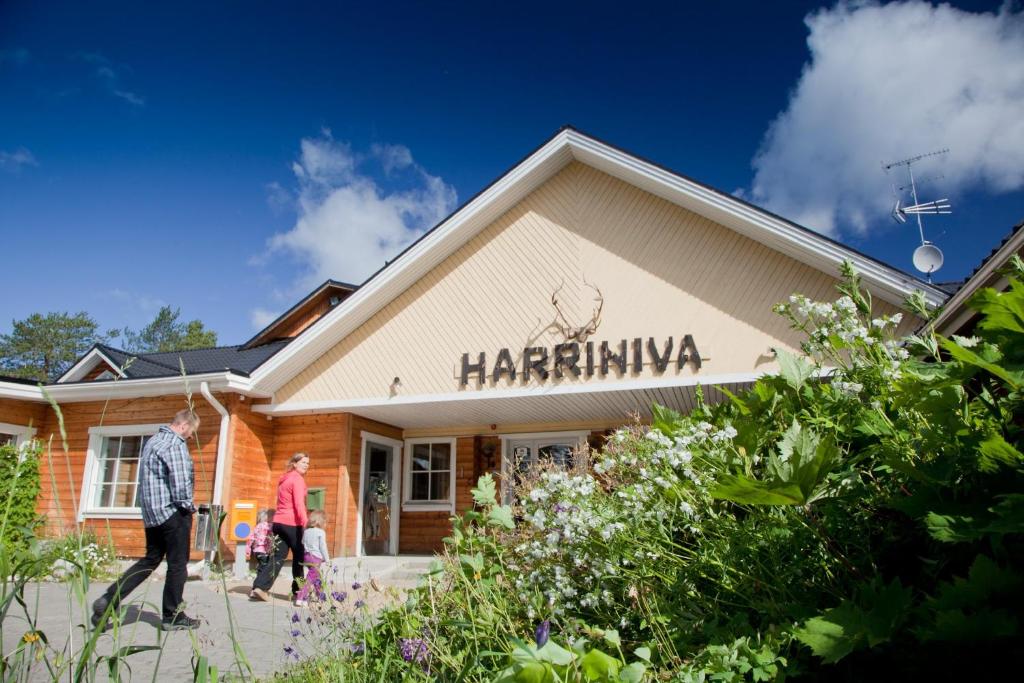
(98, 609)
(261, 594)
(180, 623)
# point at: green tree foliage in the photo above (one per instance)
(19, 489)
(43, 347)
(166, 333)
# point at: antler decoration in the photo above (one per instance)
(581, 333)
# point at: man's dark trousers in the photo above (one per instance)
(170, 539)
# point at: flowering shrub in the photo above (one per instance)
(77, 553)
(849, 517)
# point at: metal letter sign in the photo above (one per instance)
(565, 359)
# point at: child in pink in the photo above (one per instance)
(314, 543)
(260, 539)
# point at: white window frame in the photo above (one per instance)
(542, 439)
(96, 435)
(396, 454)
(425, 506)
(23, 433)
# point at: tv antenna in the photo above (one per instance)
(927, 257)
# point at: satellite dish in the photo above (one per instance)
(928, 258)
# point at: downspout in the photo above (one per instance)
(222, 450)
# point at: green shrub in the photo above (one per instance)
(857, 516)
(19, 490)
(80, 551)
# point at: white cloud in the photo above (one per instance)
(348, 224)
(261, 317)
(13, 161)
(143, 302)
(109, 76)
(888, 82)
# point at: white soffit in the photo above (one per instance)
(803, 245)
(21, 392)
(614, 401)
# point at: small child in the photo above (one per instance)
(314, 543)
(260, 540)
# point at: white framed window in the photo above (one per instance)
(15, 435)
(429, 475)
(110, 485)
(523, 452)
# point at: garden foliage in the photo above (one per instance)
(19, 489)
(857, 516)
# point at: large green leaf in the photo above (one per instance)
(995, 450)
(485, 492)
(501, 515)
(748, 491)
(871, 621)
(794, 369)
(598, 666)
(968, 357)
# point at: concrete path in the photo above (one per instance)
(263, 630)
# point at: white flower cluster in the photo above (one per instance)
(576, 524)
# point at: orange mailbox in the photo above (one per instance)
(243, 519)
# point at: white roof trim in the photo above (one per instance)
(810, 248)
(21, 392)
(310, 407)
(955, 313)
(89, 361)
(155, 386)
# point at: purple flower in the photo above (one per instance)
(356, 585)
(543, 631)
(296, 633)
(360, 604)
(295, 618)
(357, 648)
(413, 649)
(561, 508)
(289, 651)
(339, 595)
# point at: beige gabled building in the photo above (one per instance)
(579, 288)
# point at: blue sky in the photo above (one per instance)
(224, 157)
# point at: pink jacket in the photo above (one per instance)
(291, 500)
(259, 540)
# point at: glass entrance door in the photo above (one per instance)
(378, 498)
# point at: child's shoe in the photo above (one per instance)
(300, 603)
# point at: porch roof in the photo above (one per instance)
(576, 403)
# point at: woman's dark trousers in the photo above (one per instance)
(286, 539)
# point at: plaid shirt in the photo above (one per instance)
(166, 481)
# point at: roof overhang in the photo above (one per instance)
(955, 313)
(568, 145)
(593, 402)
(156, 386)
(21, 392)
(85, 365)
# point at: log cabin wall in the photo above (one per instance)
(27, 413)
(61, 467)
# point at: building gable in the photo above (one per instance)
(658, 271)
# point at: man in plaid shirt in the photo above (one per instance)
(166, 482)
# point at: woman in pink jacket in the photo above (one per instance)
(289, 523)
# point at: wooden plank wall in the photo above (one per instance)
(324, 438)
(26, 413)
(251, 442)
(422, 532)
(61, 469)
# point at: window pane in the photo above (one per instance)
(104, 494)
(420, 457)
(117, 471)
(440, 456)
(559, 454)
(7, 439)
(439, 486)
(123, 495)
(420, 486)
